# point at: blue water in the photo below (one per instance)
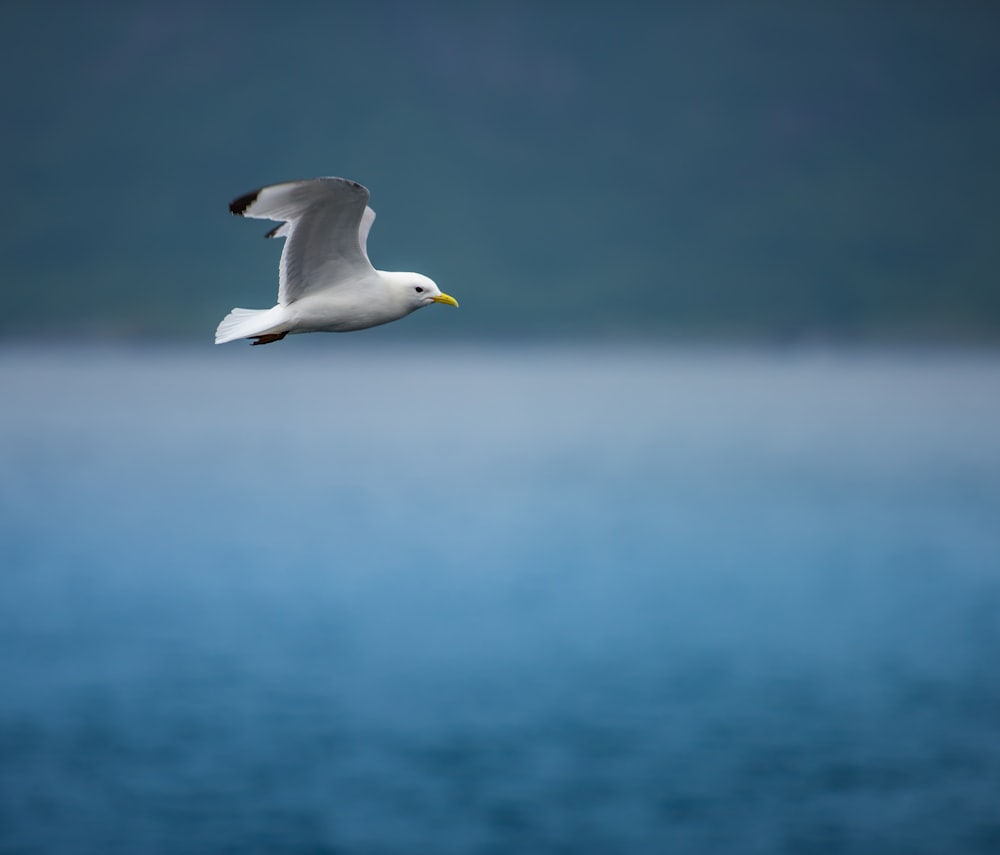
(344, 597)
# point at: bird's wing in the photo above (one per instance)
(367, 218)
(283, 229)
(326, 223)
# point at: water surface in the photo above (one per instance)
(346, 598)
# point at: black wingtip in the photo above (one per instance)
(239, 206)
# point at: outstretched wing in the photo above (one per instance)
(326, 223)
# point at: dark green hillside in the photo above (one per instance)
(762, 171)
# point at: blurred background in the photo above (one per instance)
(774, 172)
(680, 535)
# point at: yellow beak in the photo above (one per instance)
(444, 298)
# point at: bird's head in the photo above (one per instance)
(422, 291)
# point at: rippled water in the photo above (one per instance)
(347, 599)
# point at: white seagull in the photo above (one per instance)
(325, 281)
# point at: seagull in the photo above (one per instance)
(325, 281)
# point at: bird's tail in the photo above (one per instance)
(249, 323)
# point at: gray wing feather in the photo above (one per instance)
(326, 225)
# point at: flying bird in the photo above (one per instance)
(325, 281)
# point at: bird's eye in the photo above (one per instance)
(420, 290)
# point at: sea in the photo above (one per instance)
(352, 595)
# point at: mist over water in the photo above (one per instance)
(343, 598)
